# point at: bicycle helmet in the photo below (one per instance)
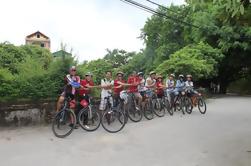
(159, 76)
(172, 75)
(88, 74)
(140, 74)
(189, 76)
(152, 72)
(120, 72)
(181, 76)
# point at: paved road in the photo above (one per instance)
(221, 137)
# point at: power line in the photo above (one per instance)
(152, 2)
(151, 10)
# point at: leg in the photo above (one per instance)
(60, 102)
(139, 98)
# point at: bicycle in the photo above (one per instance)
(153, 105)
(89, 119)
(65, 120)
(179, 102)
(132, 111)
(113, 120)
(166, 103)
(198, 100)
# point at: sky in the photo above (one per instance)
(88, 27)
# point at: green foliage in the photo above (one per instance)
(97, 68)
(199, 60)
(29, 72)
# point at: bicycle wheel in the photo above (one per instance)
(122, 108)
(64, 123)
(188, 105)
(202, 105)
(158, 108)
(88, 119)
(113, 121)
(168, 106)
(148, 111)
(134, 114)
(181, 105)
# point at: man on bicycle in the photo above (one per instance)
(190, 88)
(106, 85)
(119, 84)
(160, 86)
(68, 89)
(170, 84)
(141, 86)
(150, 84)
(133, 89)
(86, 84)
(180, 85)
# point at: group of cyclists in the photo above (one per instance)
(136, 84)
(121, 100)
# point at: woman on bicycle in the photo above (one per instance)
(68, 89)
(106, 85)
(150, 84)
(160, 86)
(119, 84)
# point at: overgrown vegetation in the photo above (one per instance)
(219, 51)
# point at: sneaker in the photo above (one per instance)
(86, 126)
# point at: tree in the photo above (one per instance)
(200, 60)
(118, 57)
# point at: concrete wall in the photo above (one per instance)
(23, 114)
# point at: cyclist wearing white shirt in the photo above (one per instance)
(106, 85)
(189, 86)
(141, 86)
(170, 84)
(150, 84)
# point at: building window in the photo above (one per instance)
(38, 35)
(42, 45)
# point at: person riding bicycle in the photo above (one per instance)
(133, 89)
(68, 90)
(106, 85)
(150, 84)
(87, 84)
(170, 84)
(180, 85)
(189, 86)
(83, 94)
(141, 86)
(119, 84)
(160, 86)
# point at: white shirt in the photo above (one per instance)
(141, 86)
(153, 81)
(170, 84)
(106, 92)
(189, 84)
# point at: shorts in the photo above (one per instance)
(149, 93)
(136, 94)
(103, 102)
(143, 93)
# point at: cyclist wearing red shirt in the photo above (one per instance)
(119, 84)
(86, 84)
(160, 87)
(68, 90)
(134, 81)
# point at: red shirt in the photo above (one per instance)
(84, 83)
(160, 90)
(133, 80)
(118, 90)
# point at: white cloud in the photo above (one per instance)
(88, 26)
